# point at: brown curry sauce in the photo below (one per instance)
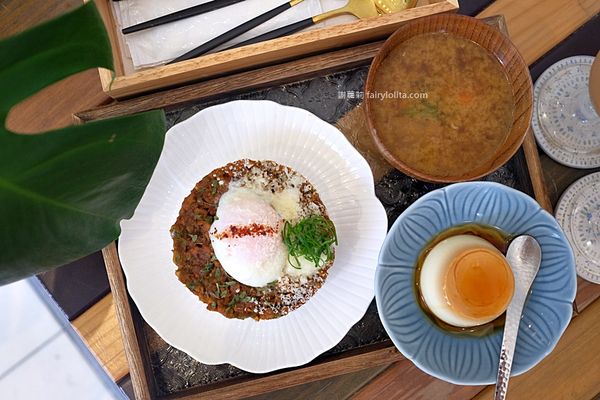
(201, 271)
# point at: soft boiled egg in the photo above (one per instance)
(246, 235)
(465, 281)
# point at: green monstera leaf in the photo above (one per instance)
(64, 192)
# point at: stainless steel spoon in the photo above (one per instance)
(524, 256)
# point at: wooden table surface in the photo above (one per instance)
(542, 30)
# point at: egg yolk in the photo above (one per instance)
(479, 283)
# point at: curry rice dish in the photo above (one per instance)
(240, 240)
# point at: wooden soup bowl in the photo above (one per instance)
(501, 48)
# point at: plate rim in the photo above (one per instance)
(374, 206)
(567, 195)
(575, 161)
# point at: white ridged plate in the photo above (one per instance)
(578, 213)
(564, 121)
(259, 130)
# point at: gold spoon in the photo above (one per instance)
(358, 8)
(392, 6)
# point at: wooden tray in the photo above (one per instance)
(523, 171)
(129, 82)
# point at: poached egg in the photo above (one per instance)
(247, 235)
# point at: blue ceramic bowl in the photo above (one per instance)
(459, 358)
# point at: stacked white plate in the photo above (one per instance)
(578, 213)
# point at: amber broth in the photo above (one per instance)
(495, 236)
(466, 116)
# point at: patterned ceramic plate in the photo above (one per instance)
(261, 130)
(578, 212)
(564, 120)
(460, 358)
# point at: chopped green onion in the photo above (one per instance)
(214, 186)
(208, 267)
(241, 297)
(312, 238)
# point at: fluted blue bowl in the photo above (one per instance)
(455, 357)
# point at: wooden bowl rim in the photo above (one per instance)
(505, 151)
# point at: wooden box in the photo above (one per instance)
(129, 82)
(183, 101)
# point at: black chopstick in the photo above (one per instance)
(276, 33)
(235, 32)
(181, 14)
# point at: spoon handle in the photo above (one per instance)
(509, 340)
(524, 256)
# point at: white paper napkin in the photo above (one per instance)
(163, 43)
